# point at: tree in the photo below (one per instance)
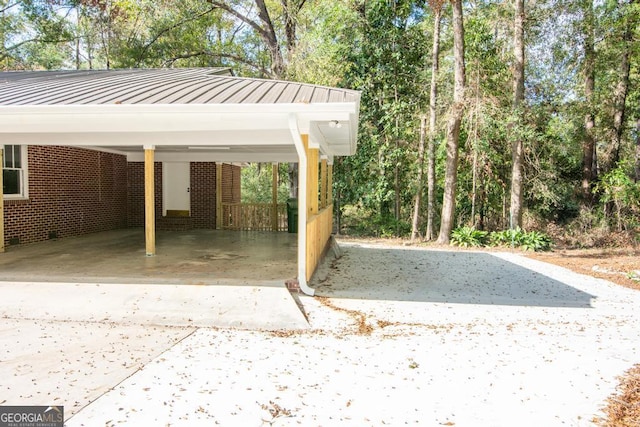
(517, 150)
(436, 8)
(453, 127)
(588, 142)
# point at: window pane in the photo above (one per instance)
(10, 181)
(8, 156)
(17, 157)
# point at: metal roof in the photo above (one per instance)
(158, 86)
(201, 114)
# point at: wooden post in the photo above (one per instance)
(218, 196)
(274, 197)
(323, 183)
(149, 200)
(1, 203)
(312, 177)
(330, 185)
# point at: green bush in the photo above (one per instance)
(518, 238)
(513, 238)
(468, 237)
(536, 241)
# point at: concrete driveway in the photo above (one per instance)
(398, 336)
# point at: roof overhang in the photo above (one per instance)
(222, 132)
(245, 131)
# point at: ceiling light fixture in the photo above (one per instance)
(335, 124)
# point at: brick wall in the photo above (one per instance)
(75, 191)
(72, 191)
(203, 194)
(135, 192)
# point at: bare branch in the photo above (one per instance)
(233, 57)
(166, 30)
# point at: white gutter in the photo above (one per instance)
(302, 206)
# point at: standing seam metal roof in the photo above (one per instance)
(158, 86)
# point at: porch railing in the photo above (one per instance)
(254, 216)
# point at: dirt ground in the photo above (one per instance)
(618, 265)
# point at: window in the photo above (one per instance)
(14, 171)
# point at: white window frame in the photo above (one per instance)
(24, 178)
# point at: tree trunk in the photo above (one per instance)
(415, 224)
(453, 127)
(431, 156)
(515, 211)
(621, 91)
(637, 177)
(270, 38)
(588, 143)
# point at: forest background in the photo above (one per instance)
(476, 116)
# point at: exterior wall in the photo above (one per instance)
(135, 192)
(75, 191)
(203, 195)
(72, 191)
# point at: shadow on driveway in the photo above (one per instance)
(398, 274)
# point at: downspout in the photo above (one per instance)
(302, 206)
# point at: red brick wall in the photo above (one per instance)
(203, 194)
(135, 192)
(72, 191)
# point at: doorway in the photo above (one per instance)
(176, 189)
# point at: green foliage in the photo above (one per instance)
(468, 237)
(358, 221)
(528, 241)
(619, 190)
(256, 183)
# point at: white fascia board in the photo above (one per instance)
(142, 117)
(137, 139)
(217, 157)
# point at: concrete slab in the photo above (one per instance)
(197, 257)
(269, 307)
(541, 347)
(44, 362)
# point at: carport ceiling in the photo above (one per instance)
(185, 114)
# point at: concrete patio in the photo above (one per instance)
(201, 257)
(398, 336)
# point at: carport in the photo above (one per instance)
(185, 115)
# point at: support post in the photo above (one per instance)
(312, 177)
(218, 196)
(330, 185)
(149, 200)
(323, 183)
(274, 197)
(1, 203)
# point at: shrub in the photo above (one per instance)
(518, 238)
(536, 241)
(468, 237)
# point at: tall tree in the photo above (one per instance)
(433, 101)
(453, 126)
(622, 87)
(589, 67)
(517, 149)
(415, 223)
